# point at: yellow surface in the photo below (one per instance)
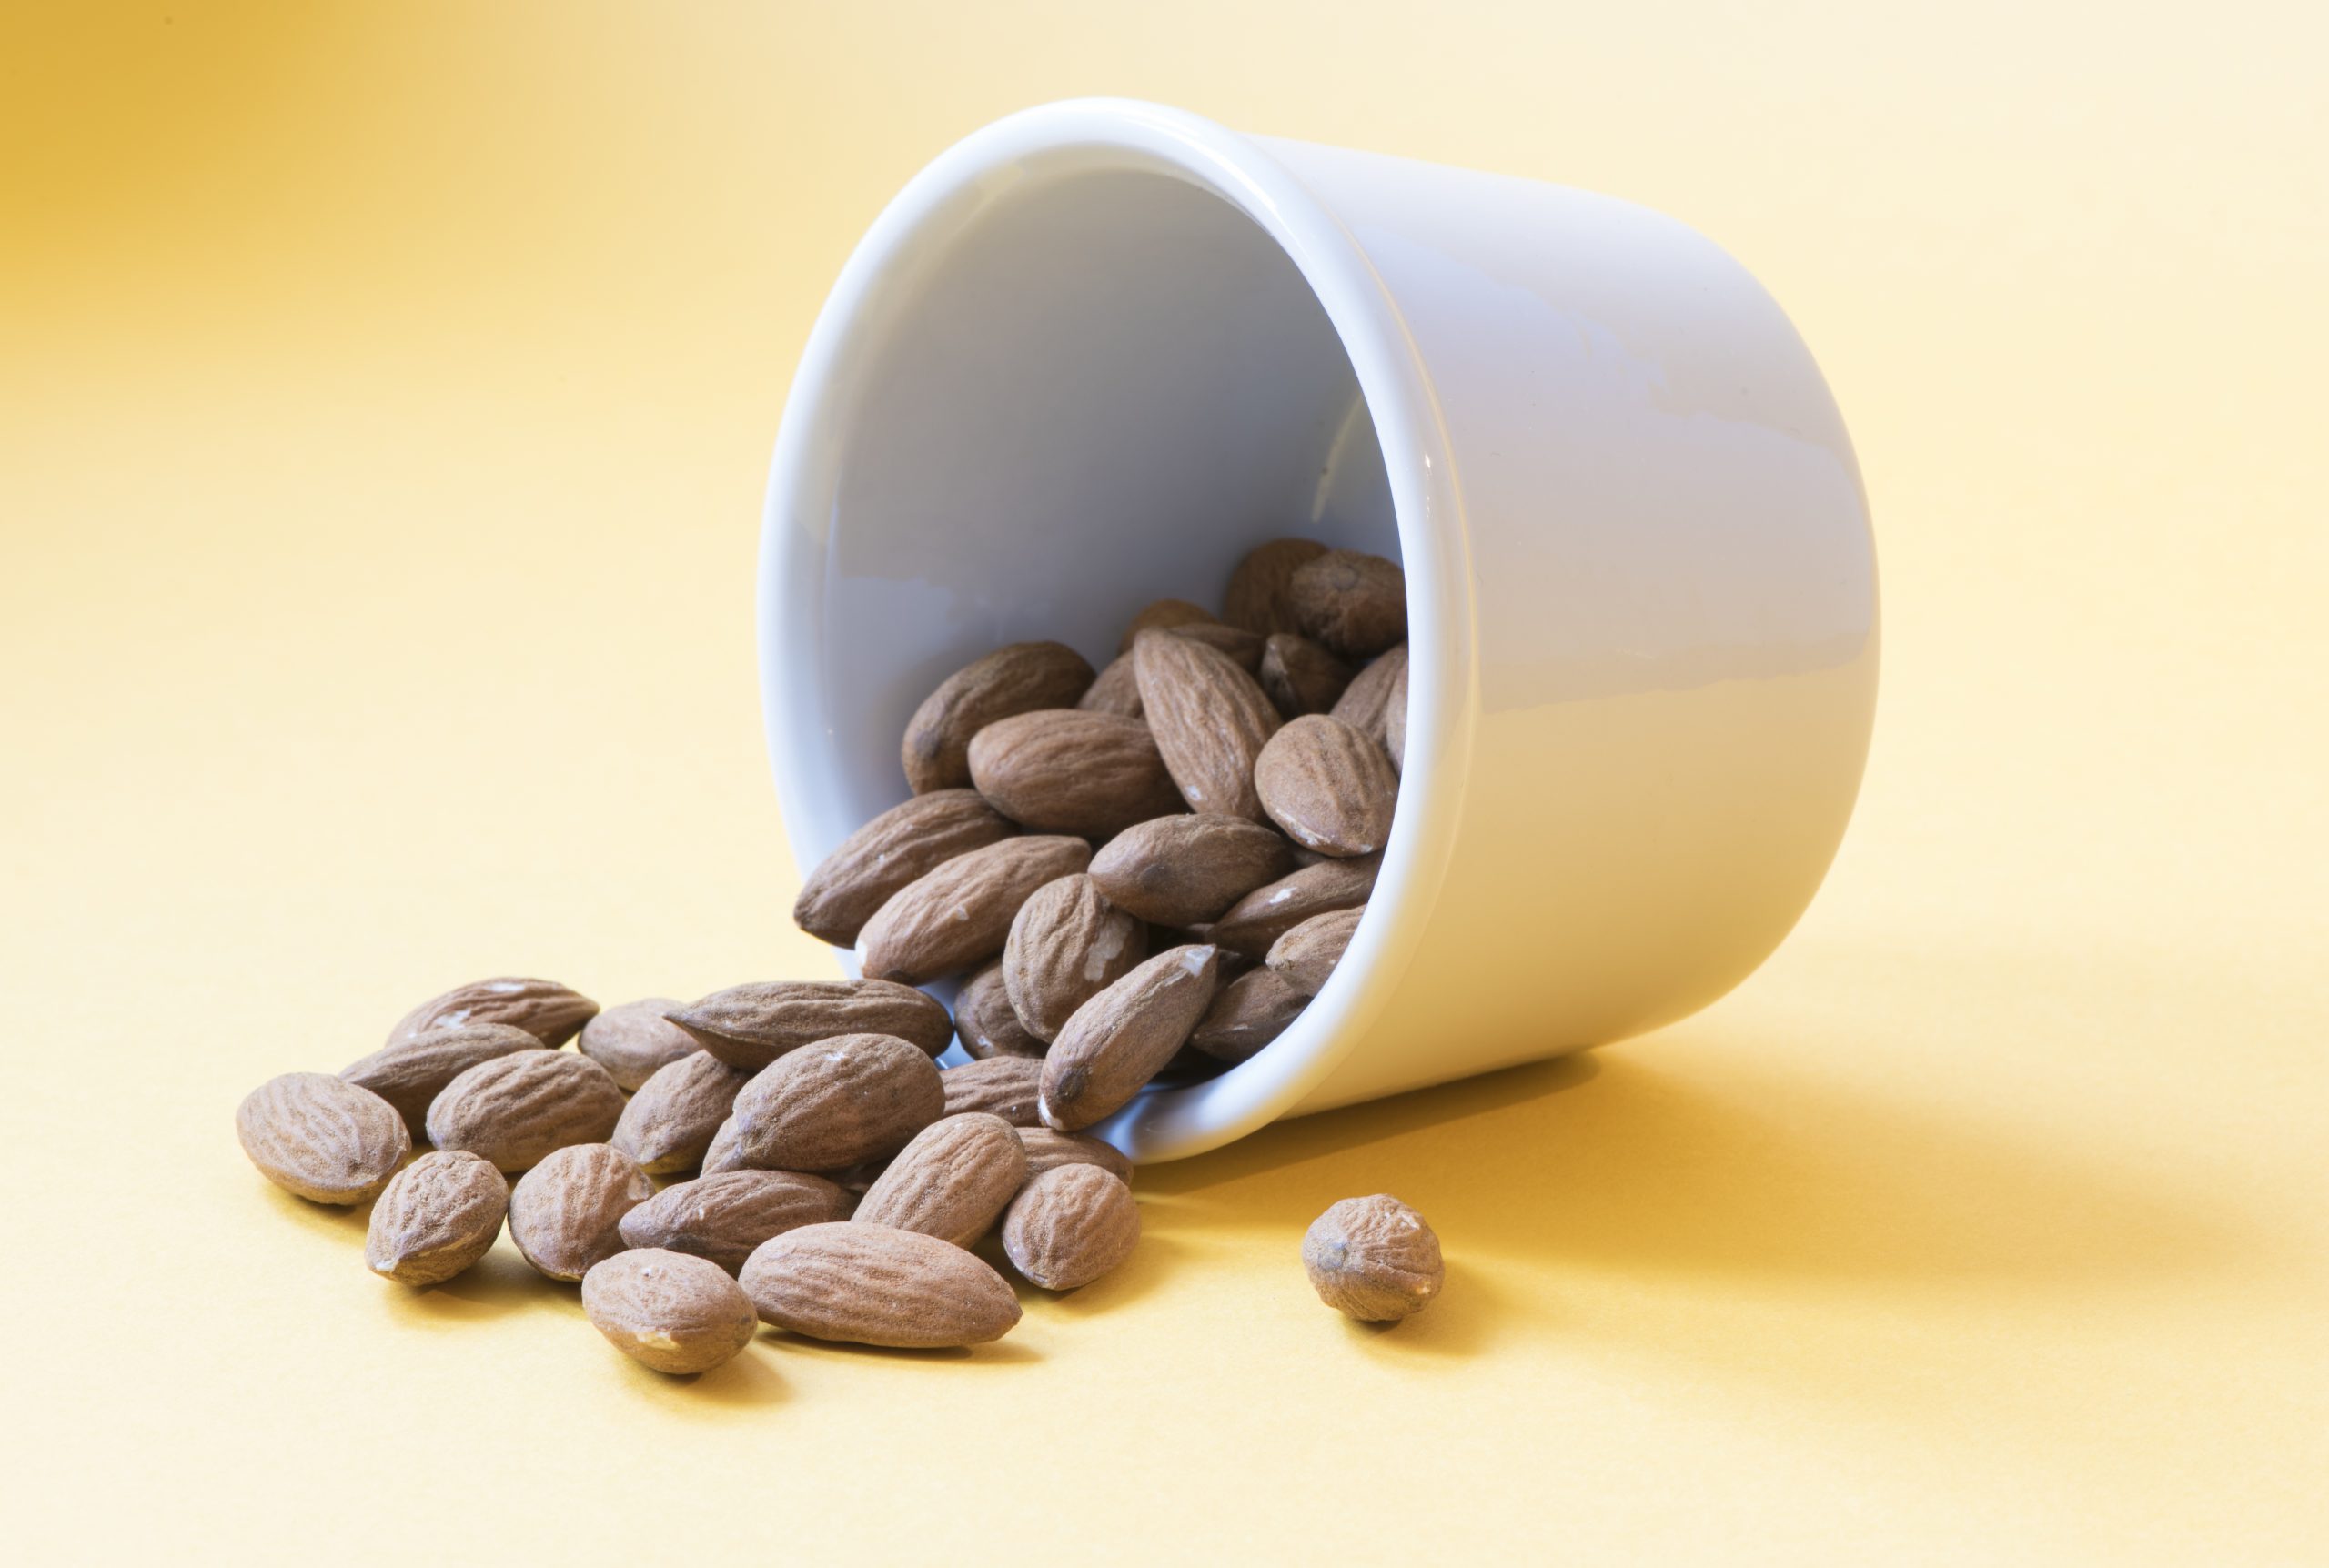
(388, 391)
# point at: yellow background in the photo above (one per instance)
(385, 396)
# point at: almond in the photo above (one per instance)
(543, 1009)
(1123, 1036)
(951, 1181)
(1374, 1259)
(1251, 1012)
(674, 1314)
(901, 844)
(408, 1076)
(1116, 691)
(435, 1218)
(1308, 953)
(1019, 678)
(1210, 719)
(984, 1022)
(1163, 616)
(724, 1217)
(857, 1097)
(1244, 647)
(959, 916)
(1328, 785)
(721, 1155)
(566, 1213)
(1066, 943)
(1355, 604)
(872, 1285)
(631, 1041)
(1259, 596)
(1048, 1149)
(514, 1110)
(1064, 771)
(1395, 720)
(750, 1026)
(671, 1121)
(322, 1137)
(1365, 703)
(1010, 1087)
(1070, 1225)
(1300, 676)
(1271, 910)
(1187, 870)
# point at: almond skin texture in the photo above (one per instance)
(1210, 719)
(1355, 604)
(959, 916)
(1010, 1087)
(410, 1075)
(951, 1181)
(322, 1137)
(1259, 596)
(438, 1215)
(750, 1026)
(1123, 1037)
(1252, 1010)
(1018, 678)
(901, 844)
(671, 1121)
(1244, 647)
(674, 1314)
(872, 1285)
(1328, 785)
(1374, 1259)
(1163, 616)
(1066, 770)
(1187, 870)
(1116, 691)
(1066, 944)
(514, 1110)
(549, 1011)
(1300, 676)
(723, 1218)
(857, 1097)
(566, 1213)
(1365, 703)
(1395, 721)
(1269, 911)
(1048, 1149)
(984, 1022)
(1308, 953)
(1070, 1226)
(631, 1041)
(720, 1155)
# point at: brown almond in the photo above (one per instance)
(566, 1213)
(1163, 616)
(633, 1040)
(1354, 603)
(1187, 870)
(514, 1110)
(721, 1155)
(1117, 691)
(1010, 1087)
(1374, 1259)
(322, 1137)
(1066, 943)
(1308, 953)
(1210, 719)
(857, 1097)
(984, 1022)
(872, 1285)
(1328, 785)
(1018, 678)
(901, 844)
(408, 1076)
(1048, 1149)
(1260, 597)
(723, 1217)
(1065, 770)
(670, 1123)
(951, 1181)
(1244, 647)
(959, 916)
(1365, 703)
(674, 1313)
(1123, 1036)
(435, 1218)
(750, 1026)
(549, 1011)
(1300, 676)
(1395, 720)
(1274, 909)
(1070, 1225)
(1252, 1010)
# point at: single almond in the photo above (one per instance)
(516, 1110)
(1117, 689)
(1125, 1035)
(1163, 616)
(1252, 1010)
(951, 1180)
(1300, 676)
(1066, 944)
(435, 1218)
(671, 1121)
(1210, 719)
(1048, 1149)
(549, 1011)
(1244, 647)
(409, 1075)
(1274, 909)
(1019, 678)
(669, 1312)
(857, 1097)
(750, 1026)
(1395, 720)
(1328, 785)
(1355, 604)
(1308, 953)
(322, 1137)
(1259, 596)
(1066, 770)
(1374, 1259)
(873, 1285)
(631, 1041)
(1365, 703)
(1070, 1225)
(1010, 1087)
(901, 844)
(566, 1213)
(724, 1217)
(959, 916)
(1187, 870)
(984, 1022)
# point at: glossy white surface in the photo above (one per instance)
(1097, 350)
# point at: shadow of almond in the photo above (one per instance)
(497, 1283)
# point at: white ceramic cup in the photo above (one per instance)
(1097, 350)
